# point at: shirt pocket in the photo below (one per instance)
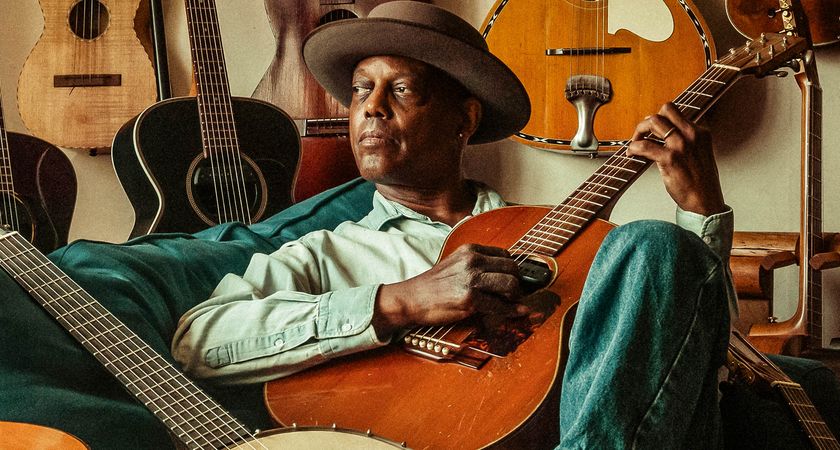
(259, 347)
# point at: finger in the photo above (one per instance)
(498, 284)
(493, 305)
(647, 148)
(488, 250)
(673, 115)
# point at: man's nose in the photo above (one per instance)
(376, 105)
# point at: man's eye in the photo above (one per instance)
(360, 89)
(400, 89)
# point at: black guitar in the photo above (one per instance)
(189, 163)
(37, 189)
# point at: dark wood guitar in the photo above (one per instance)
(87, 75)
(470, 386)
(326, 157)
(18, 435)
(194, 419)
(37, 189)
(752, 17)
(573, 58)
(749, 366)
(210, 159)
(804, 328)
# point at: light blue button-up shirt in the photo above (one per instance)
(313, 299)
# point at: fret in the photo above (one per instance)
(528, 243)
(622, 180)
(555, 219)
(589, 213)
(591, 192)
(612, 166)
(713, 81)
(697, 108)
(580, 199)
(541, 238)
(699, 93)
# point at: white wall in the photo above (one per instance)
(756, 128)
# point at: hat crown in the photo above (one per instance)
(432, 17)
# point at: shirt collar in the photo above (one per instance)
(385, 210)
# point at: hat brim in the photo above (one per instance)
(333, 50)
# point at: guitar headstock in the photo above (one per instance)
(761, 56)
(749, 366)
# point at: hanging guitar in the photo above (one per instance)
(210, 159)
(804, 328)
(748, 366)
(752, 17)
(37, 189)
(87, 75)
(591, 67)
(498, 389)
(194, 419)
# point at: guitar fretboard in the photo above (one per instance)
(812, 210)
(8, 213)
(797, 400)
(190, 414)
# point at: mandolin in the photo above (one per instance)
(804, 328)
(194, 419)
(189, 163)
(752, 17)
(591, 67)
(37, 189)
(87, 75)
(467, 386)
(25, 436)
(748, 366)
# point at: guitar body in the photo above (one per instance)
(287, 82)
(753, 17)
(433, 404)
(325, 162)
(652, 61)
(87, 75)
(45, 191)
(23, 435)
(159, 162)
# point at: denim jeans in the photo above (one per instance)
(651, 331)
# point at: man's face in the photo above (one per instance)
(405, 117)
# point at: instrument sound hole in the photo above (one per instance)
(232, 192)
(335, 15)
(15, 215)
(89, 19)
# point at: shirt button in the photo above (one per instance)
(707, 239)
(346, 327)
(279, 343)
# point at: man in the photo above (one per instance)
(421, 85)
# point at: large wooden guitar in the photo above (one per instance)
(189, 163)
(591, 67)
(194, 419)
(750, 367)
(37, 189)
(87, 75)
(467, 386)
(752, 17)
(18, 435)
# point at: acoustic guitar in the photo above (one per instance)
(751, 17)
(749, 367)
(189, 163)
(28, 436)
(804, 328)
(87, 74)
(37, 189)
(472, 386)
(591, 67)
(194, 419)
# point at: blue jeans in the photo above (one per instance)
(651, 331)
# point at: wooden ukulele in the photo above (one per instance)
(194, 419)
(87, 75)
(749, 366)
(752, 17)
(24, 436)
(470, 386)
(189, 163)
(37, 189)
(577, 58)
(804, 328)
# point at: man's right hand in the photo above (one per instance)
(472, 279)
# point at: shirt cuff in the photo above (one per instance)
(715, 230)
(344, 321)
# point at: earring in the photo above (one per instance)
(461, 135)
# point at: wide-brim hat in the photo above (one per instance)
(429, 34)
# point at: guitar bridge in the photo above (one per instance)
(449, 345)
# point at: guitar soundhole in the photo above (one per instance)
(227, 191)
(89, 19)
(15, 215)
(336, 15)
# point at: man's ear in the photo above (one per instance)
(472, 116)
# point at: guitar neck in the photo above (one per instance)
(191, 415)
(619, 171)
(218, 130)
(807, 415)
(7, 185)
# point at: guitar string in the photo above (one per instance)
(527, 246)
(10, 207)
(231, 164)
(44, 268)
(818, 432)
(15, 255)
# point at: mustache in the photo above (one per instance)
(376, 132)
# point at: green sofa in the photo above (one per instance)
(47, 378)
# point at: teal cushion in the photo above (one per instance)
(47, 378)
